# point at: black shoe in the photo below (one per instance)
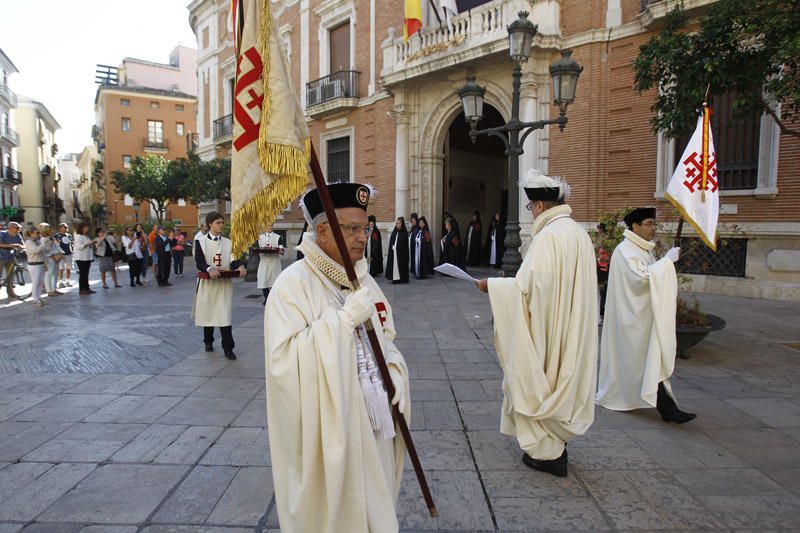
(556, 467)
(167, 284)
(139, 283)
(230, 355)
(133, 285)
(669, 410)
(209, 347)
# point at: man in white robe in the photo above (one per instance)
(545, 335)
(213, 297)
(638, 345)
(337, 461)
(269, 261)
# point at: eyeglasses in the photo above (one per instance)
(529, 206)
(354, 229)
(650, 223)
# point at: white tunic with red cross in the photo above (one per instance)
(213, 300)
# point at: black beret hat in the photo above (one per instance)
(639, 215)
(343, 195)
(545, 194)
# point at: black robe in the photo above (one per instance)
(401, 238)
(412, 250)
(376, 252)
(501, 237)
(425, 254)
(474, 244)
(452, 250)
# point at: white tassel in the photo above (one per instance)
(380, 416)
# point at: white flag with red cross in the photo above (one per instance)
(694, 187)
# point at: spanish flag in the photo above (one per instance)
(271, 147)
(413, 22)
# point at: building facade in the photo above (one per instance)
(69, 187)
(36, 157)
(386, 112)
(10, 176)
(136, 120)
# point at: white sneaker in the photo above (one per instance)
(61, 285)
(38, 303)
(68, 283)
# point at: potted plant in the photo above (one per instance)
(692, 324)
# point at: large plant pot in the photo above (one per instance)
(688, 336)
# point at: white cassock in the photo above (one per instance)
(269, 265)
(637, 350)
(331, 474)
(213, 298)
(545, 334)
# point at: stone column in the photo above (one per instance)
(401, 170)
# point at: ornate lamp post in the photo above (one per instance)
(565, 73)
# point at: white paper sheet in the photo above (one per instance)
(451, 270)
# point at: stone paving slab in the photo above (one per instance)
(161, 436)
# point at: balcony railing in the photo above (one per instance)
(12, 176)
(342, 84)
(223, 127)
(10, 135)
(8, 94)
(155, 144)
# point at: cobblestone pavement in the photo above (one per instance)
(114, 419)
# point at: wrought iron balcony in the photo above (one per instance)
(10, 135)
(12, 176)
(8, 94)
(342, 84)
(155, 144)
(223, 128)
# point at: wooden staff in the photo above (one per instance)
(330, 212)
(677, 241)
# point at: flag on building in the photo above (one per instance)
(271, 148)
(694, 187)
(449, 8)
(413, 18)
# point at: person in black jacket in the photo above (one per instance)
(373, 251)
(473, 240)
(397, 260)
(412, 234)
(451, 245)
(423, 251)
(164, 252)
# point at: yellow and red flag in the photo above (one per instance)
(413, 18)
(271, 147)
(694, 187)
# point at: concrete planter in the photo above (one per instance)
(688, 336)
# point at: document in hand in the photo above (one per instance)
(451, 270)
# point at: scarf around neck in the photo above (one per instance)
(647, 246)
(559, 211)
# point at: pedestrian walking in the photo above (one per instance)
(269, 260)
(164, 255)
(423, 250)
(53, 255)
(545, 321)
(104, 254)
(11, 244)
(178, 240)
(397, 259)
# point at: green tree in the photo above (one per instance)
(206, 181)
(748, 47)
(152, 180)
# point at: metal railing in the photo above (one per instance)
(12, 176)
(342, 84)
(644, 4)
(8, 94)
(223, 127)
(155, 144)
(10, 135)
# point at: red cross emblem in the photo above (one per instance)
(217, 260)
(694, 172)
(382, 312)
(249, 90)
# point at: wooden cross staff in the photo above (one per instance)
(330, 212)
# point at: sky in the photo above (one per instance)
(56, 44)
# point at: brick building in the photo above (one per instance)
(141, 108)
(386, 112)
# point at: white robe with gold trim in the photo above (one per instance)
(545, 323)
(638, 346)
(331, 475)
(269, 265)
(213, 298)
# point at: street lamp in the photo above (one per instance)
(565, 73)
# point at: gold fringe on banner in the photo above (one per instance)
(700, 233)
(288, 164)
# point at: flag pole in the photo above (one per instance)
(330, 212)
(677, 241)
(436, 12)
